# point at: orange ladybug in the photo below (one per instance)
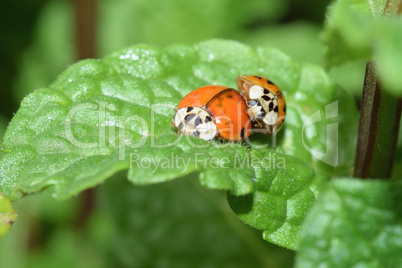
(265, 101)
(213, 111)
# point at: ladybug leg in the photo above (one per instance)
(269, 130)
(255, 111)
(244, 95)
(172, 122)
(258, 124)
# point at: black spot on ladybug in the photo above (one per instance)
(242, 133)
(189, 117)
(230, 96)
(259, 77)
(271, 106)
(196, 133)
(181, 126)
(265, 97)
(189, 109)
(270, 82)
(253, 102)
(261, 115)
(266, 91)
(276, 109)
(198, 121)
(208, 119)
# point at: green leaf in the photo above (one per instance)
(359, 29)
(347, 29)
(106, 94)
(286, 188)
(7, 215)
(156, 224)
(103, 116)
(354, 223)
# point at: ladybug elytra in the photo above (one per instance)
(213, 111)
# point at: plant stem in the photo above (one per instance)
(378, 129)
(85, 28)
(380, 115)
(85, 36)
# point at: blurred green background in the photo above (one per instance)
(176, 224)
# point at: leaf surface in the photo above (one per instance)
(354, 223)
(104, 116)
(285, 189)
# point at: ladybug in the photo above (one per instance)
(265, 101)
(213, 111)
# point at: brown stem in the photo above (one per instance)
(87, 206)
(85, 28)
(378, 129)
(85, 40)
(380, 115)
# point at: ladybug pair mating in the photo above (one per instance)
(218, 111)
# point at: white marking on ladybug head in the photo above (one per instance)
(256, 92)
(196, 122)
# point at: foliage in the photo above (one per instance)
(280, 201)
(353, 224)
(95, 101)
(107, 123)
(358, 30)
